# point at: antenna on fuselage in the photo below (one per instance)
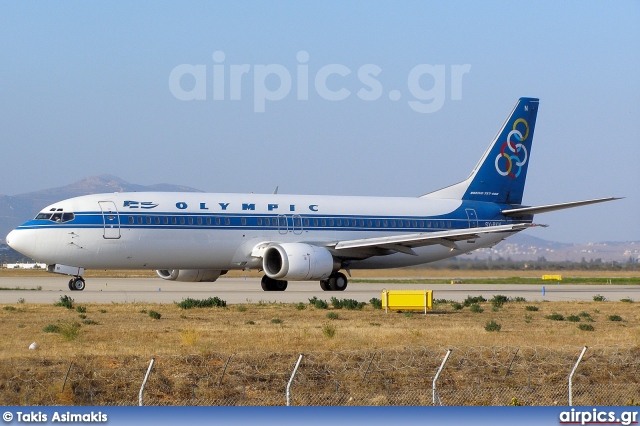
(275, 191)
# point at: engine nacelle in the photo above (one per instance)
(298, 261)
(190, 275)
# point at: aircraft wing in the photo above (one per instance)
(405, 243)
(523, 211)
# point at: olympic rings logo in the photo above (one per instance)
(512, 150)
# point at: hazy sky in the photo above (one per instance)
(349, 98)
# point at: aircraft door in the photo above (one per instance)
(283, 224)
(297, 224)
(473, 218)
(110, 219)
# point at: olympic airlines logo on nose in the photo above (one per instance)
(513, 151)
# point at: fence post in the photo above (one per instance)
(291, 380)
(66, 377)
(435, 379)
(575, 367)
(144, 382)
(224, 370)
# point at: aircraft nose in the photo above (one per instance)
(22, 241)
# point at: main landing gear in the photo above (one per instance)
(76, 284)
(269, 284)
(336, 282)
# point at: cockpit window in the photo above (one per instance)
(58, 216)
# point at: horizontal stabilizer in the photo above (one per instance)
(525, 211)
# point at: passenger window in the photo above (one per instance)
(315, 222)
(377, 224)
(435, 223)
(339, 222)
(190, 220)
(131, 220)
(140, 220)
(174, 220)
(227, 221)
(324, 222)
(330, 222)
(306, 223)
(385, 223)
(156, 220)
(428, 224)
(148, 220)
(182, 220)
(259, 221)
(243, 221)
(217, 221)
(267, 221)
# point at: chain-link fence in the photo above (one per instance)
(472, 376)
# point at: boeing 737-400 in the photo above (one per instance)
(198, 236)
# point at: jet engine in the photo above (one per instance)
(190, 275)
(298, 261)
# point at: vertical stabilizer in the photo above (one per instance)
(500, 175)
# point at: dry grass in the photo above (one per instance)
(127, 329)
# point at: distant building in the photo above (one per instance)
(24, 266)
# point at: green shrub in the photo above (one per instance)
(329, 330)
(318, 303)
(332, 315)
(473, 300)
(555, 317)
(376, 303)
(573, 318)
(81, 309)
(492, 326)
(70, 331)
(90, 322)
(203, 303)
(586, 327)
(346, 303)
(626, 300)
(457, 306)
(65, 302)
(498, 300)
(301, 306)
(615, 318)
(155, 315)
(276, 321)
(51, 328)
(408, 314)
(102, 311)
(241, 308)
(532, 308)
(82, 316)
(518, 299)
(249, 322)
(584, 314)
(599, 298)
(9, 308)
(476, 308)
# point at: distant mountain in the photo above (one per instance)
(526, 247)
(17, 209)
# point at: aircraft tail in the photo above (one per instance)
(500, 175)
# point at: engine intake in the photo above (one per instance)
(298, 261)
(190, 275)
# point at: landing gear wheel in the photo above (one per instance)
(71, 285)
(324, 285)
(77, 283)
(338, 281)
(269, 284)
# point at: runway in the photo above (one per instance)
(238, 290)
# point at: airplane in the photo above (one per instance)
(197, 237)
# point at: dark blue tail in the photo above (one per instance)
(500, 175)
